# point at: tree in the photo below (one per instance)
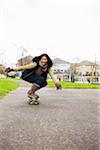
(2, 69)
(22, 52)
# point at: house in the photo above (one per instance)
(87, 70)
(24, 61)
(60, 68)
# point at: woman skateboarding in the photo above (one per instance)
(36, 73)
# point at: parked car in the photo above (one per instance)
(2, 76)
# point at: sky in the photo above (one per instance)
(68, 29)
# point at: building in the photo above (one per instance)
(86, 71)
(24, 61)
(85, 68)
(60, 68)
(21, 62)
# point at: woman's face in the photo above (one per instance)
(43, 60)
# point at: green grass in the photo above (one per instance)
(7, 85)
(71, 85)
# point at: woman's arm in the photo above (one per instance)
(29, 66)
(58, 86)
(52, 75)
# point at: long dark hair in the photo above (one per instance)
(49, 61)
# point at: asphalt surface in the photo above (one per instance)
(64, 120)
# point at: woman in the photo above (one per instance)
(36, 73)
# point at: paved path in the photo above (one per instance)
(64, 120)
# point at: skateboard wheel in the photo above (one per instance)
(35, 102)
(30, 103)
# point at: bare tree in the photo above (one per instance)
(22, 53)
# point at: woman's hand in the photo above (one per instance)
(58, 86)
(9, 69)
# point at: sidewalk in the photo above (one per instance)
(64, 120)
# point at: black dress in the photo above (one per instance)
(36, 75)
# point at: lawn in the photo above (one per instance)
(71, 85)
(7, 85)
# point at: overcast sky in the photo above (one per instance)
(66, 29)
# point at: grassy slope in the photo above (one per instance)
(7, 85)
(75, 85)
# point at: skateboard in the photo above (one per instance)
(31, 102)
